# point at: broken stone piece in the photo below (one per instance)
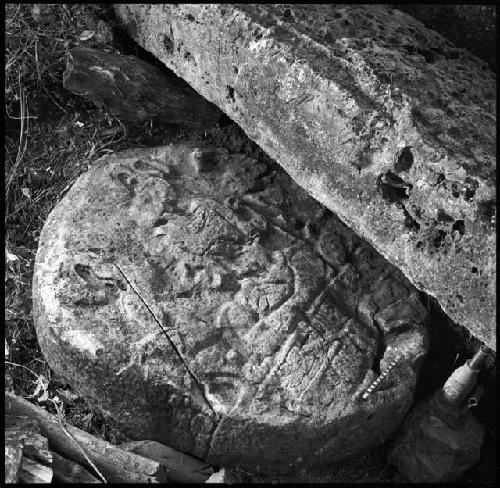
(179, 467)
(224, 313)
(437, 443)
(13, 460)
(222, 476)
(27, 455)
(382, 120)
(135, 90)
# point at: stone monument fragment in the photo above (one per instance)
(207, 302)
(382, 120)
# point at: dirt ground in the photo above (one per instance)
(53, 136)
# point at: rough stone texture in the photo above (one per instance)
(382, 120)
(210, 304)
(466, 25)
(135, 90)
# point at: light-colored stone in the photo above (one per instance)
(380, 119)
(210, 304)
(222, 476)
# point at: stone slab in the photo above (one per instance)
(382, 120)
(205, 301)
(471, 26)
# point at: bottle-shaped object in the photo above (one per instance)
(464, 379)
(441, 438)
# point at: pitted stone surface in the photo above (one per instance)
(385, 122)
(209, 303)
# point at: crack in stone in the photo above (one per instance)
(193, 376)
(224, 417)
(318, 371)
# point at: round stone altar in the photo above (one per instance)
(205, 301)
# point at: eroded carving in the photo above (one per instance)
(252, 317)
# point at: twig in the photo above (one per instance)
(24, 115)
(82, 450)
(53, 99)
(21, 366)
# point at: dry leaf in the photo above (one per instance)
(86, 35)
(222, 476)
(10, 256)
(68, 394)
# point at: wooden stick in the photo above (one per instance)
(115, 464)
(34, 472)
(67, 471)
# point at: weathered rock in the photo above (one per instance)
(36, 463)
(212, 305)
(472, 26)
(179, 467)
(222, 476)
(13, 460)
(438, 442)
(135, 90)
(382, 120)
